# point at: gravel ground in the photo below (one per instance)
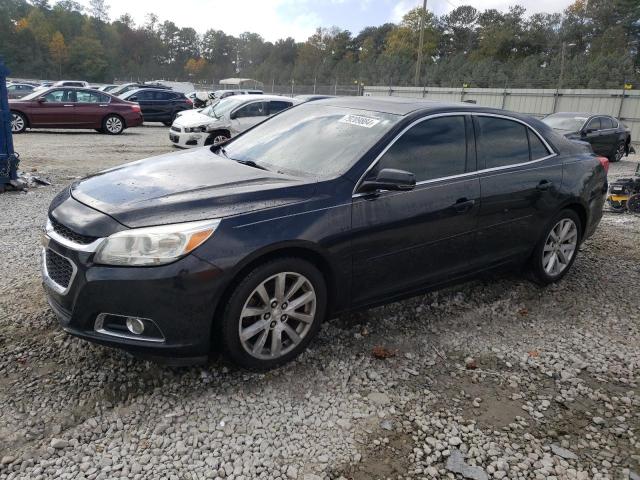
(497, 378)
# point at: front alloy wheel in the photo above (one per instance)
(277, 315)
(18, 123)
(219, 138)
(273, 313)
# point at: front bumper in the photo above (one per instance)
(188, 140)
(179, 298)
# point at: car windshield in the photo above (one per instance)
(571, 123)
(311, 140)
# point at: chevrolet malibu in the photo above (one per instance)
(334, 205)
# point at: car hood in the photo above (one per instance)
(192, 185)
(196, 119)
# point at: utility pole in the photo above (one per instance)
(564, 51)
(423, 14)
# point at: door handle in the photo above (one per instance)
(68, 105)
(544, 185)
(463, 205)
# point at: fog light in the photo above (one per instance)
(135, 325)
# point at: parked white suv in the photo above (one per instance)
(220, 122)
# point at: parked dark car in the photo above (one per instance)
(329, 206)
(67, 107)
(607, 135)
(19, 90)
(159, 105)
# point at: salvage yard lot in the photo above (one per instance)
(525, 382)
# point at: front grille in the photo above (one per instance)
(59, 269)
(70, 235)
(176, 129)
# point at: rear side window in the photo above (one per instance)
(501, 142)
(605, 123)
(278, 106)
(91, 97)
(432, 149)
(538, 149)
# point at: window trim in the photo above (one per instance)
(355, 194)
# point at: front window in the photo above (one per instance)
(431, 149)
(312, 140)
(570, 123)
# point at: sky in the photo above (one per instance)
(274, 19)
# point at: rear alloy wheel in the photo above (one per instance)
(113, 125)
(18, 122)
(557, 250)
(619, 153)
(274, 313)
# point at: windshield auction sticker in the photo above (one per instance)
(360, 121)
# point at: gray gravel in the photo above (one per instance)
(497, 378)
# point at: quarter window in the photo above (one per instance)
(538, 149)
(501, 142)
(432, 149)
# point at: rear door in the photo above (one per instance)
(57, 110)
(248, 115)
(91, 108)
(405, 240)
(520, 180)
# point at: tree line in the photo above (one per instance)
(466, 47)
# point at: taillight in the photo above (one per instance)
(189, 102)
(604, 161)
(136, 108)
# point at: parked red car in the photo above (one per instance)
(68, 107)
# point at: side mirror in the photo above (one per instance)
(587, 131)
(233, 116)
(390, 179)
(42, 100)
(133, 99)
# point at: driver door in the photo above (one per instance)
(57, 110)
(247, 116)
(406, 240)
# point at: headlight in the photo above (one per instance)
(154, 245)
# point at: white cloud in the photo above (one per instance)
(267, 17)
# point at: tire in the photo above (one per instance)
(256, 350)
(618, 153)
(18, 123)
(633, 204)
(113, 125)
(543, 268)
(216, 138)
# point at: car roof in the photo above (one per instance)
(404, 106)
(251, 97)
